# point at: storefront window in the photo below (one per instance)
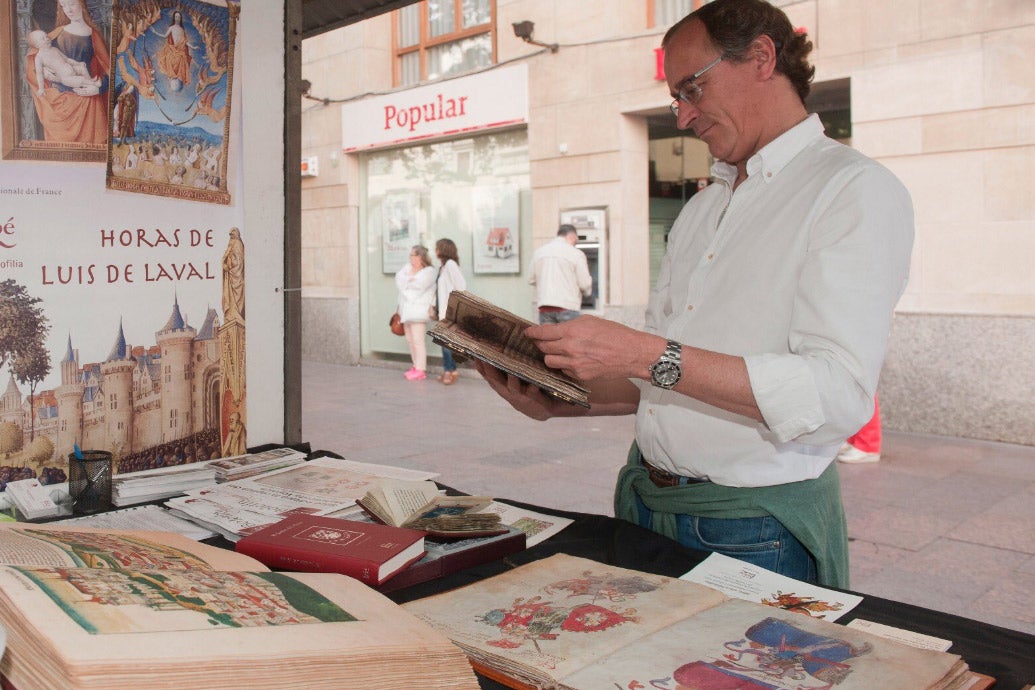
(439, 38)
(668, 12)
(472, 191)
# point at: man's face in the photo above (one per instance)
(724, 118)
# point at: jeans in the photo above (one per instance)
(761, 541)
(448, 363)
(558, 316)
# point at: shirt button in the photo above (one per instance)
(711, 256)
(690, 307)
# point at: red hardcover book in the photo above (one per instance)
(447, 557)
(366, 551)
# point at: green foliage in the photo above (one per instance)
(23, 327)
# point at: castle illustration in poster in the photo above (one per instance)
(178, 399)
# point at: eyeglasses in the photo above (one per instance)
(689, 91)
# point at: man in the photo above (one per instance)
(560, 273)
(768, 325)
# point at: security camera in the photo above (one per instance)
(523, 30)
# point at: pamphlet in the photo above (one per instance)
(538, 527)
(742, 580)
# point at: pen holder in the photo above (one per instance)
(89, 482)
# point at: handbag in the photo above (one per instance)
(395, 324)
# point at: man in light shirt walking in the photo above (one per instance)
(560, 274)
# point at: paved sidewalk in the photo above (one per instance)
(944, 523)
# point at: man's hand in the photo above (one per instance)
(589, 348)
(527, 399)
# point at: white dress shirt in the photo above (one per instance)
(560, 273)
(798, 271)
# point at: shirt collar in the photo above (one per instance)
(772, 157)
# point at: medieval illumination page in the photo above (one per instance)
(550, 618)
(155, 623)
(747, 645)
(59, 546)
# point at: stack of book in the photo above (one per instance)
(445, 557)
(251, 464)
(321, 486)
(90, 609)
(131, 488)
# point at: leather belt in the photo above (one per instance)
(663, 479)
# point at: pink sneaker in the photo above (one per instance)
(410, 372)
(415, 374)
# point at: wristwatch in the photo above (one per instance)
(667, 371)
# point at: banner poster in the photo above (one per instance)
(122, 315)
(400, 214)
(496, 240)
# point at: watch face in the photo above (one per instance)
(665, 374)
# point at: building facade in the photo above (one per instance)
(540, 112)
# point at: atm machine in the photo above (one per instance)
(592, 226)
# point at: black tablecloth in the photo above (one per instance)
(1007, 655)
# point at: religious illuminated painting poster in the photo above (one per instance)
(122, 317)
(172, 77)
(54, 79)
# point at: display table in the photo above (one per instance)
(1007, 655)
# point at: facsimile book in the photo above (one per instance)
(123, 610)
(568, 623)
(419, 505)
(367, 551)
(445, 557)
(474, 327)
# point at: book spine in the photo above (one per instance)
(309, 562)
(450, 563)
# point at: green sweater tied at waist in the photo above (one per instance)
(811, 510)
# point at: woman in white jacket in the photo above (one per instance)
(449, 278)
(416, 283)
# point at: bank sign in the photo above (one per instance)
(487, 100)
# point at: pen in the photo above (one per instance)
(78, 453)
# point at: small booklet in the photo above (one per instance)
(419, 505)
(32, 499)
(473, 327)
(742, 580)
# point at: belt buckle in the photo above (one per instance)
(660, 477)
